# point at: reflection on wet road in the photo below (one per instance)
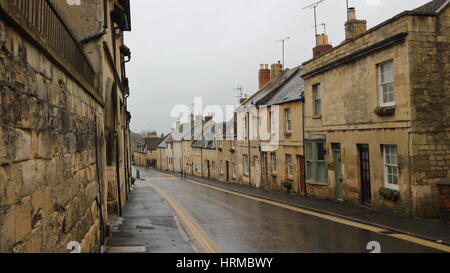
(241, 225)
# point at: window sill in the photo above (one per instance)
(288, 133)
(315, 183)
(317, 117)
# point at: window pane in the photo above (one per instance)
(321, 171)
(320, 151)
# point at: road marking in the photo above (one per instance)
(160, 179)
(336, 219)
(206, 243)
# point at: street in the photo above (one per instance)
(220, 221)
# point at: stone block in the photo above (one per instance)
(23, 217)
(22, 145)
(7, 230)
(29, 182)
(42, 203)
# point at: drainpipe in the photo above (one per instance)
(304, 147)
(249, 151)
(99, 198)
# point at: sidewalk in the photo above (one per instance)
(148, 226)
(421, 228)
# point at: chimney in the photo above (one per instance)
(322, 45)
(152, 134)
(264, 75)
(277, 69)
(354, 27)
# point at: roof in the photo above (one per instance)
(434, 6)
(163, 144)
(260, 94)
(152, 143)
(291, 90)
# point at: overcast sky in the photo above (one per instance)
(204, 48)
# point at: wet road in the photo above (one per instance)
(236, 224)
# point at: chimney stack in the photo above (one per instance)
(277, 69)
(322, 45)
(264, 75)
(354, 27)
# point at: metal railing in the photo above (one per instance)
(44, 18)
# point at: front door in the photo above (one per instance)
(364, 162)
(301, 175)
(228, 171)
(257, 172)
(209, 168)
(266, 170)
(338, 172)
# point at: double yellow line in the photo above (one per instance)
(206, 244)
(335, 219)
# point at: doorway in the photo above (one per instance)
(228, 171)
(337, 155)
(208, 166)
(257, 172)
(266, 170)
(301, 175)
(364, 162)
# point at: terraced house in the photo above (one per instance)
(64, 124)
(377, 113)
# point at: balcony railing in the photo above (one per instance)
(42, 17)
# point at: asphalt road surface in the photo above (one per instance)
(220, 221)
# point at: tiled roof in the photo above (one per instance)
(152, 143)
(433, 6)
(163, 144)
(291, 90)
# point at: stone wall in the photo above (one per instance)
(430, 87)
(48, 158)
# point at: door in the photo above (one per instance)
(209, 168)
(338, 172)
(266, 170)
(228, 171)
(301, 175)
(364, 162)
(257, 172)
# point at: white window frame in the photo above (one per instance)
(317, 99)
(273, 159)
(233, 167)
(288, 124)
(289, 165)
(221, 167)
(382, 82)
(391, 162)
(245, 128)
(246, 165)
(273, 130)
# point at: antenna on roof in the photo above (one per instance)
(314, 7)
(324, 27)
(282, 44)
(240, 91)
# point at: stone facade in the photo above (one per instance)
(416, 124)
(53, 163)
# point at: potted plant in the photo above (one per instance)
(385, 111)
(390, 194)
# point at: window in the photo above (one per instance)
(287, 115)
(246, 165)
(245, 128)
(390, 167)
(233, 169)
(273, 128)
(255, 127)
(386, 78)
(213, 164)
(221, 167)
(316, 162)
(317, 100)
(274, 162)
(290, 172)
